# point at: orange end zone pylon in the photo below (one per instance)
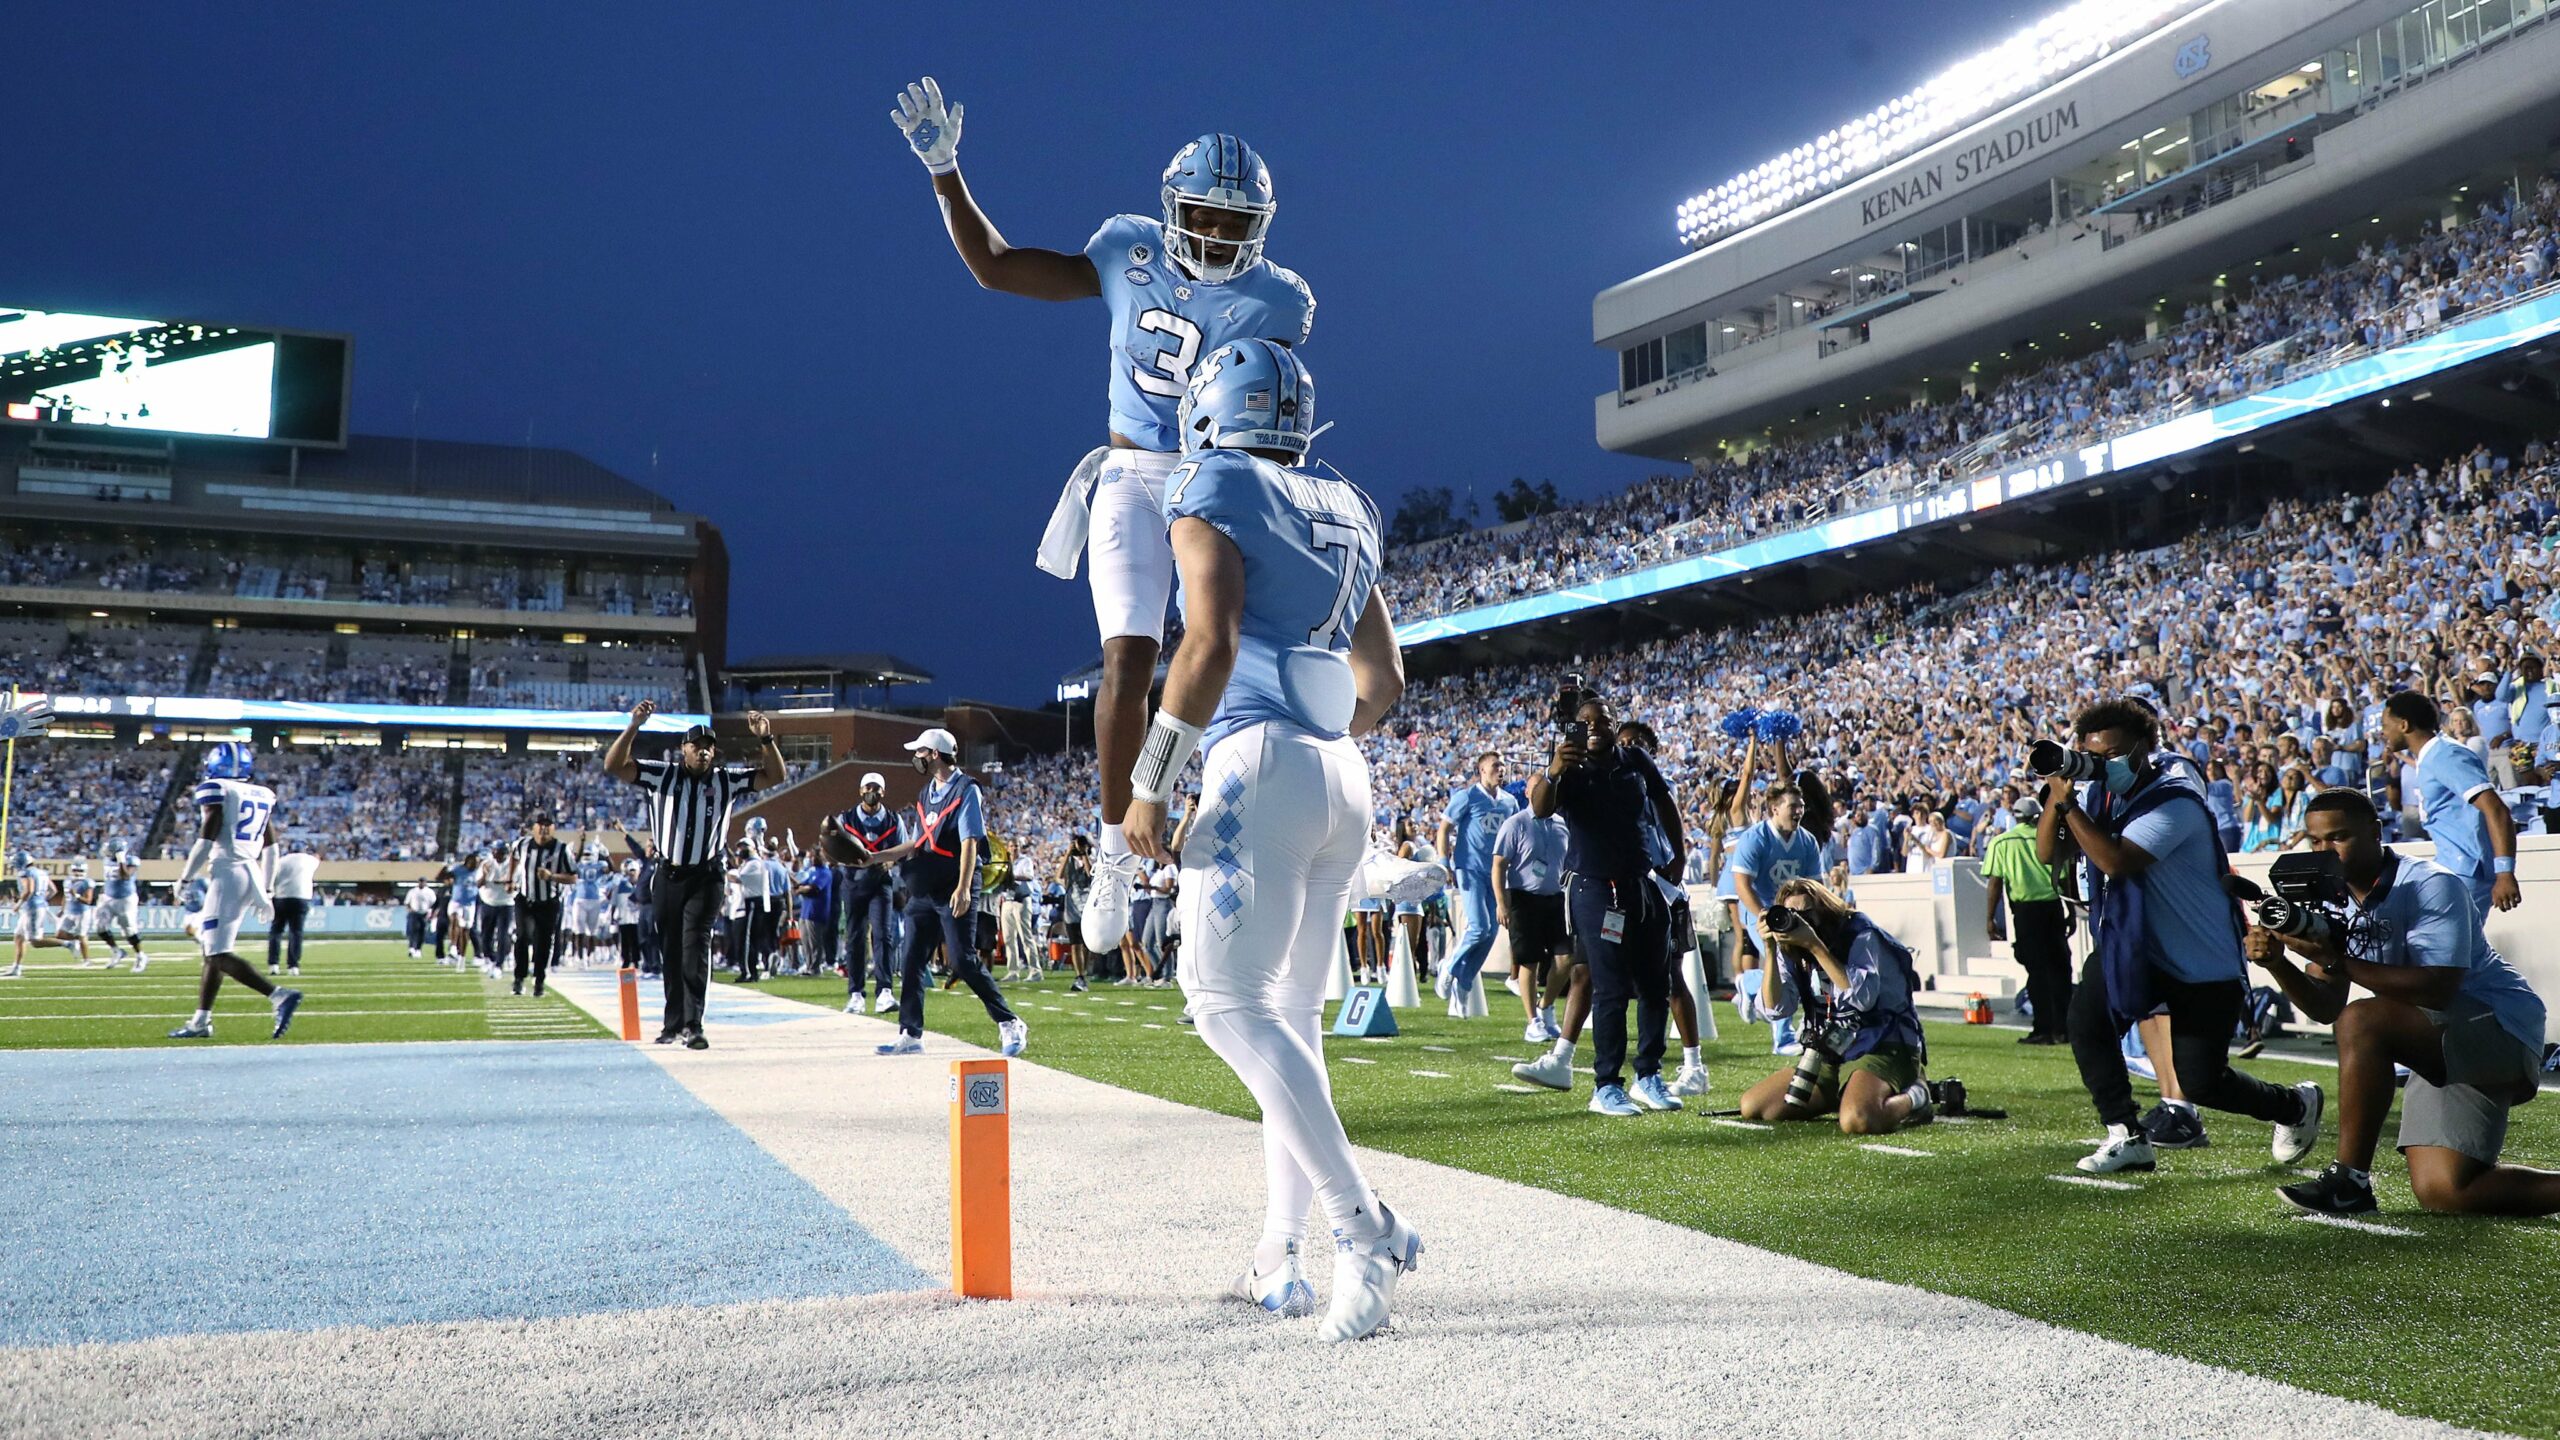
(630, 1003)
(981, 1180)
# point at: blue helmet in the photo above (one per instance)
(1249, 395)
(230, 760)
(1217, 172)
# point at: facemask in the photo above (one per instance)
(2121, 775)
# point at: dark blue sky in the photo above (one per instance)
(691, 230)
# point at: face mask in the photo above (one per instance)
(2121, 775)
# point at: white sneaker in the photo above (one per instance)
(1382, 876)
(1364, 1278)
(1551, 1070)
(1512, 984)
(884, 1004)
(1457, 1007)
(1440, 987)
(2294, 1141)
(1106, 906)
(853, 1006)
(2126, 1148)
(1692, 1080)
(1014, 1035)
(905, 1044)
(1283, 1292)
(139, 961)
(1534, 1033)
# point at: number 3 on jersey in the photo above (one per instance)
(1171, 373)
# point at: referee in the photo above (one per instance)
(689, 800)
(541, 867)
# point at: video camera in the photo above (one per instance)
(2310, 899)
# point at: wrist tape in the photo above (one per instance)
(1170, 741)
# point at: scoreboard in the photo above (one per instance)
(172, 377)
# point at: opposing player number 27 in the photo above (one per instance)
(1171, 373)
(253, 817)
(1330, 535)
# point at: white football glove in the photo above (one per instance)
(26, 722)
(932, 132)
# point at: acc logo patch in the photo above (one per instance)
(2193, 56)
(1140, 254)
(1136, 276)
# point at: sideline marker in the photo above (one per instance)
(981, 1180)
(630, 1003)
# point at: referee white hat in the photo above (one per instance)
(936, 739)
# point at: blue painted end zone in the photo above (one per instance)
(294, 1188)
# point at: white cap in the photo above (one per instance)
(872, 777)
(936, 739)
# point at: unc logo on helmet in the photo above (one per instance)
(1249, 395)
(1217, 173)
(229, 760)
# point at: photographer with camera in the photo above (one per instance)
(2166, 932)
(2438, 1001)
(1620, 922)
(1863, 1051)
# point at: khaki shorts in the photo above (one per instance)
(1898, 1066)
(2484, 1068)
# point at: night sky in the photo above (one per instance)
(690, 232)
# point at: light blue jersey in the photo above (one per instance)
(1770, 860)
(1475, 816)
(1311, 557)
(120, 882)
(1163, 322)
(2419, 913)
(2449, 775)
(590, 886)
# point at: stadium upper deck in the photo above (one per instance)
(2085, 181)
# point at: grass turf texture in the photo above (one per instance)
(353, 991)
(2201, 1260)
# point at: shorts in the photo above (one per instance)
(1898, 1066)
(77, 920)
(1130, 553)
(1537, 926)
(2484, 1066)
(230, 890)
(466, 915)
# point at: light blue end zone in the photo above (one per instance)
(151, 1193)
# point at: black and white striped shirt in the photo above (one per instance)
(536, 862)
(689, 811)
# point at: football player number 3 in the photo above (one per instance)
(1171, 373)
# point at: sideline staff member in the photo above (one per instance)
(689, 800)
(2165, 934)
(2442, 1003)
(2037, 935)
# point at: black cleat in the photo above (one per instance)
(2331, 1192)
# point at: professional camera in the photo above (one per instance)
(2048, 758)
(2310, 899)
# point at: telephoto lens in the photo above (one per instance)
(2047, 758)
(2294, 920)
(1804, 1087)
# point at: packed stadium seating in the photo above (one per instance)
(86, 797)
(2267, 646)
(356, 802)
(545, 674)
(500, 792)
(2285, 327)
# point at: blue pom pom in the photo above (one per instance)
(1737, 724)
(1779, 725)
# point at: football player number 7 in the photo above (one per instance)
(1330, 535)
(1171, 374)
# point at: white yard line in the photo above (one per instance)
(2094, 1182)
(2345, 1223)
(1728, 1120)
(1429, 1074)
(1898, 1150)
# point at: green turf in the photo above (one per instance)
(2455, 1321)
(354, 990)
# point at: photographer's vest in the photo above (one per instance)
(2116, 904)
(1849, 1034)
(933, 871)
(874, 833)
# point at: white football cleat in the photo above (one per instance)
(2294, 1141)
(139, 961)
(1014, 1035)
(1364, 1278)
(15, 971)
(1534, 1033)
(1551, 1070)
(1382, 876)
(1692, 1080)
(1283, 1292)
(1106, 905)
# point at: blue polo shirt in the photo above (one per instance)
(2419, 913)
(1532, 853)
(820, 900)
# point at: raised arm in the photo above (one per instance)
(617, 755)
(933, 132)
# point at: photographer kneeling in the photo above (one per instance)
(1862, 1045)
(2441, 1002)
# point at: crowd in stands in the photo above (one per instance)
(86, 798)
(2237, 345)
(134, 660)
(356, 803)
(501, 792)
(2268, 648)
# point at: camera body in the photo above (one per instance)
(2310, 899)
(2048, 758)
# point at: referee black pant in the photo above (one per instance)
(537, 934)
(687, 901)
(2037, 943)
(929, 922)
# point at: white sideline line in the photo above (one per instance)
(1429, 1074)
(1379, 1039)
(1513, 1059)
(1159, 1009)
(1517, 1089)
(2094, 1183)
(1117, 1019)
(2343, 1223)
(1060, 1009)
(1354, 1060)
(1440, 1049)
(304, 1014)
(1899, 1150)
(1738, 1124)
(1149, 1025)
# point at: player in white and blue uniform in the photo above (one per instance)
(120, 907)
(35, 910)
(1288, 652)
(586, 904)
(1179, 286)
(232, 812)
(462, 908)
(79, 909)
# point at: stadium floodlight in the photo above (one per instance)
(2062, 43)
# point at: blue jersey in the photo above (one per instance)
(1163, 321)
(1770, 860)
(120, 883)
(1310, 548)
(2449, 775)
(590, 886)
(1475, 817)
